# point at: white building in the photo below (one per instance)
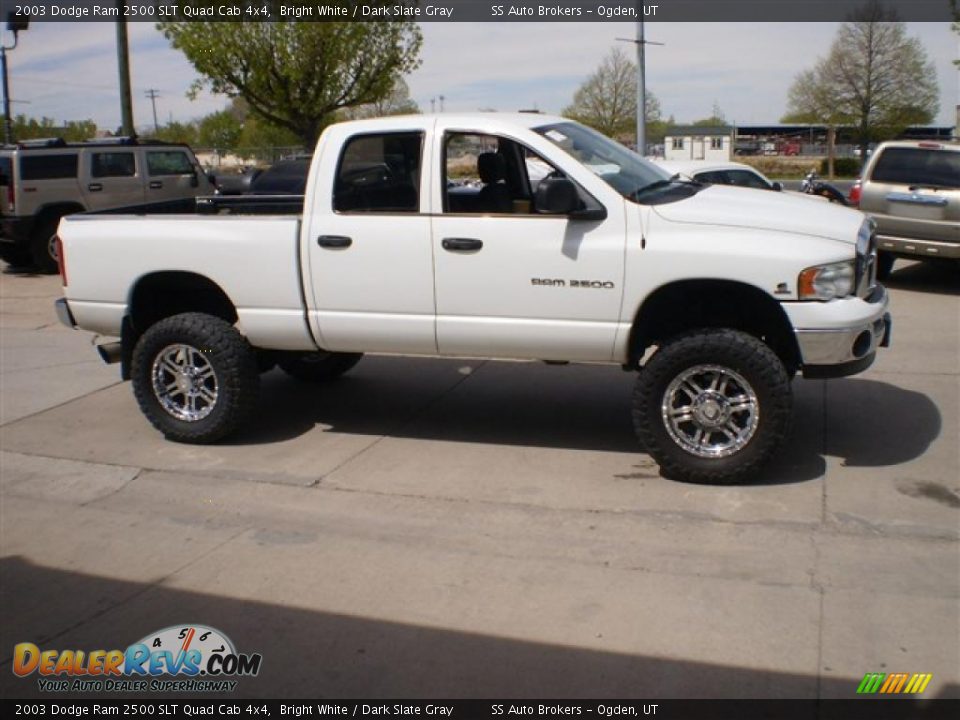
(691, 142)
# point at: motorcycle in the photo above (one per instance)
(813, 185)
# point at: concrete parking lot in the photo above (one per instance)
(459, 528)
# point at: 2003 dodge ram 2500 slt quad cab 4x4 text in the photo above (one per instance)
(567, 247)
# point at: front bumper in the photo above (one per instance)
(829, 349)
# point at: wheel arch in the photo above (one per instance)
(56, 210)
(686, 305)
(163, 294)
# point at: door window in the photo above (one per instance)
(379, 173)
(168, 162)
(113, 164)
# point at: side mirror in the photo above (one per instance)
(778, 186)
(557, 196)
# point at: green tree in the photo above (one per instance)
(297, 75)
(266, 142)
(607, 100)
(25, 128)
(177, 132)
(874, 78)
(219, 131)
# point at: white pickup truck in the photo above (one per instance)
(430, 235)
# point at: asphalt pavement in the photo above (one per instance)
(461, 528)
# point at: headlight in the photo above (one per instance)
(826, 282)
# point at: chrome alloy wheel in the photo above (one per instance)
(184, 382)
(710, 411)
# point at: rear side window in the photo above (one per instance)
(168, 162)
(113, 164)
(6, 170)
(379, 173)
(918, 166)
(48, 167)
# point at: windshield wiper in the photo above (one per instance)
(656, 185)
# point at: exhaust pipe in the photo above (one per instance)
(110, 353)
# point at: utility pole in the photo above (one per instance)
(641, 42)
(153, 94)
(123, 61)
(442, 98)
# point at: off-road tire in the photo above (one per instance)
(41, 252)
(233, 361)
(884, 265)
(318, 366)
(747, 357)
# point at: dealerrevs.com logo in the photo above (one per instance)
(181, 658)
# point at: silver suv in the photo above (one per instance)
(912, 189)
(43, 180)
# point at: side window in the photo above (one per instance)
(488, 174)
(113, 164)
(168, 162)
(48, 167)
(379, 173)
(745, 178)
(713, 177)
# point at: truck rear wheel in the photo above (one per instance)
(712, 406)
(195, 377)
(317, 366)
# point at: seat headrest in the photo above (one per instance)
(492, 167)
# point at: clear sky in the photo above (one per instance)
(68, 71)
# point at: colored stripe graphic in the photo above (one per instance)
(894, 683)
(870, 683)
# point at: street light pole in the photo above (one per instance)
(14, 25)
(641, 42)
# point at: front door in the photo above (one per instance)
(511, 282)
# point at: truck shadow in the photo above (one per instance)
(864, 422)
(340, 655)
(941, 277)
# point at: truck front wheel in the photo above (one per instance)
(712, 406)
(195, 377)
(317, 366)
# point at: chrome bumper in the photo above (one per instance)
(911, 247)
(846, 349)
(63, 313)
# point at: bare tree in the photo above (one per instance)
(874, 78)
(607, 100)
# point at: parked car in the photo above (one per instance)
(720, 173)
(286, 177)
(43, 180)
(235, 183)
(912, 189)
(715, 295)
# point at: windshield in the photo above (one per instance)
(622, 169)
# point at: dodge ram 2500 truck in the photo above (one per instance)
(498, 236)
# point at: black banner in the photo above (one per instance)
(467, 10)
(866, 708)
